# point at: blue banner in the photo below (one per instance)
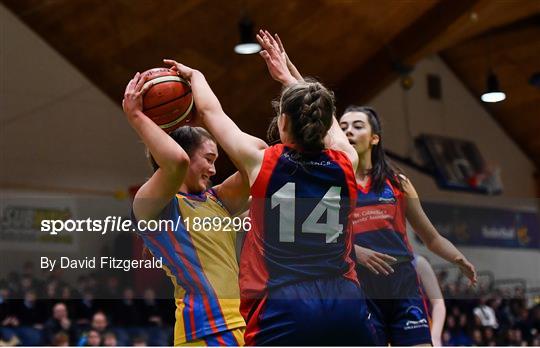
(485, 227)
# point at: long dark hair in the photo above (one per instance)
(310, 107)
(383, 169)
(190, 138)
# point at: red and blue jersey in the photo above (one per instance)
(379, 221)
(299, 213)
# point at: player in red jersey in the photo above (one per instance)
(297, 279)
(386, 200)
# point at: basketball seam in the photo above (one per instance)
(168, 101)
(179, 119)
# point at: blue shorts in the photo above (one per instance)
(398, 309)
(324, 312)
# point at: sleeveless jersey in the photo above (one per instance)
(379, 221)
(202, 265)
(299, 213)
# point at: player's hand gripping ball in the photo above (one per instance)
(168, 100)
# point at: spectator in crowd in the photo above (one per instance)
(60, 322)
(92, 338)
(29, 312)
(5, 303)
(85, 308)
(109, 339)
(127, 310)
(523, 324)
(60, 339)
(100, 323)
(489, 336)
(477, 338)
(150, 308)
(486, 314)
(140, 341)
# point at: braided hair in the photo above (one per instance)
(310, 108)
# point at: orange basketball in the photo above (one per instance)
(169, 101)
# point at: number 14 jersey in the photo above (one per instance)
(300, 215)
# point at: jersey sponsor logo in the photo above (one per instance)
(293, 159)
(387, 200)
(420, 320)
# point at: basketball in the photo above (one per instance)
(169, 101)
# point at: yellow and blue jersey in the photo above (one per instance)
(202, 266)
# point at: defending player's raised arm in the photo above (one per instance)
(244, 149)
(284, 71)
(172, 160)
(292, 68)
(337, 140)
(429, 235)
(276, 59)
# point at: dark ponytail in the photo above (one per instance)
(383, 169)
(310, 108)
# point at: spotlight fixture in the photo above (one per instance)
(493, 93)
(247, 44)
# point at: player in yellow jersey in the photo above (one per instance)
(200, 260)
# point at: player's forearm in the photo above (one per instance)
(428, 233)
(294, 71)
(166, 152)
(444, 248)
(206, 101)
(237, 144)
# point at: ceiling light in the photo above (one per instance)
(493, 93)
(247, 44)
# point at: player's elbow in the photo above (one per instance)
(177, 165)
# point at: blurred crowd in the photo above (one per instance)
(96, 311)
(484, 316)
(100, 310)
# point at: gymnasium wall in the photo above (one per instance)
(21, 239)
(460, 114)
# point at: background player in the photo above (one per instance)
(297, 279)
(386, 200)
(432, 290)
(201, 263)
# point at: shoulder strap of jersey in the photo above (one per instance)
(270, 159)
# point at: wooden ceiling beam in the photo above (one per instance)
(379, 70)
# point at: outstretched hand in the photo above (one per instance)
(133, 95)
(275, 58)
(294, 72)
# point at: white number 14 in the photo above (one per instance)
(285, 198)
